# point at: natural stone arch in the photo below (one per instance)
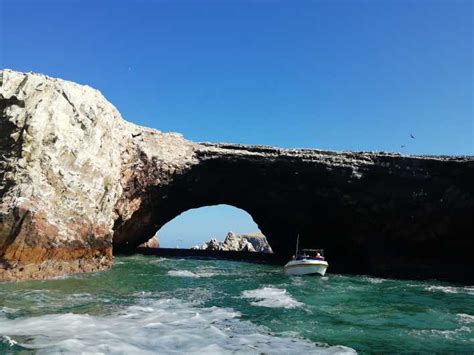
(279, 194)
(201, 186)
(250, 183)
(363, 209)
(75, 178)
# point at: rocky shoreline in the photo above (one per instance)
(77, 180)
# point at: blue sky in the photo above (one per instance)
(340, 75)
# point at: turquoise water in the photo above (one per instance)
(149, 304)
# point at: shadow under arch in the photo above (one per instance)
(368, 217)
(210, 183)
(146, 222)
(282, 203)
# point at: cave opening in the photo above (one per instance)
(218, 227)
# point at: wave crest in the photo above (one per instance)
(163, 326)
(271, 297)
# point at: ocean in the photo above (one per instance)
(149, 304)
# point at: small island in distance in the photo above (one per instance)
(251, 242)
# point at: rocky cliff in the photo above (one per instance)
(70, 167)
(77, 180)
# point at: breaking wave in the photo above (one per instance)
(152, 326)
(187, 273)
(271, 297)
(451, 289)
(182, 273)
(373, 280)
(447, 334)
(465, 318)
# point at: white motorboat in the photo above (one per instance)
(307, 262)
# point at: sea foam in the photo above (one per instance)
(451, 289)
(183, 273)
(153, 326)
(373, 280)
(466, 318)
(271, 297)
(186, 273)
(7, 310)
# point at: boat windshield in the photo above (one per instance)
(316, 254)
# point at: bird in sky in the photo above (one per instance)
(402, 146)
(412, 136)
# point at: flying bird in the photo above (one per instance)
(402, 146)
(412, 136)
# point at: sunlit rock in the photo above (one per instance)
(151, 243)
(252, 243)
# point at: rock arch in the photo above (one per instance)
(75, 179)
(379, 214)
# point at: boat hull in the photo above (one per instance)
(306, 267)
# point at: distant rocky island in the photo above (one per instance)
(253, 242)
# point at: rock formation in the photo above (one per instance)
(76, 181)
(151, 243)
(255, 242)
(71, 167)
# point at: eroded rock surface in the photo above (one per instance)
(152, 243)
(77, 180)
(69, 168)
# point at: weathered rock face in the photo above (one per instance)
(70, 167)
(259, 242)
(76, 179)
(151, 243)
(255, 242)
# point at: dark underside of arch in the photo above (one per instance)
(384, 220)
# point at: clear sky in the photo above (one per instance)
(340, 75)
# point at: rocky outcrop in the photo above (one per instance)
(76, 181)
(70, 167)
(151, 243)
(255, 242)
